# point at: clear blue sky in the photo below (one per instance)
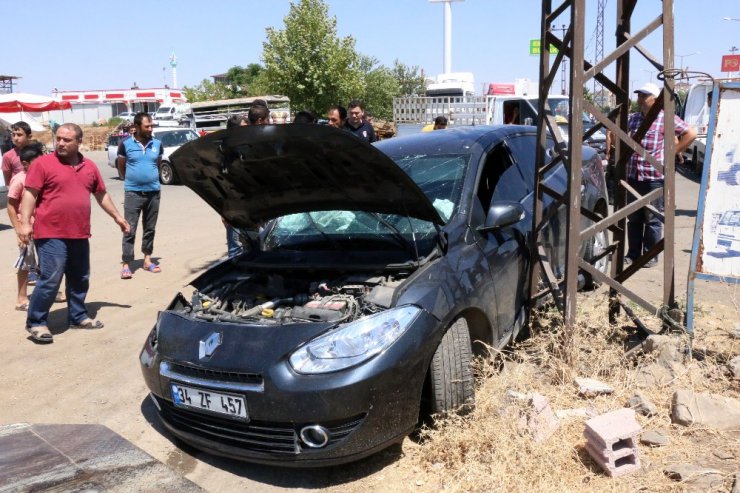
(107, 45)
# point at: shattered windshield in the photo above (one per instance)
(440, 177)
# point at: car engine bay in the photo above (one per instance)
(277, 299)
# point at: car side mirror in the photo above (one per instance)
(528, 121)
(502, 214)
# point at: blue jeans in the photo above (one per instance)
(57, 258)
(644, 229)
(233, 243)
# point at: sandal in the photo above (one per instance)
(88, 324)
(23, 307)
(126, 273)
(40, 333)
(153, 268)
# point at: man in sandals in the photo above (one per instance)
(58, 188)
(139, 159)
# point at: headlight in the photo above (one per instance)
(354, 343)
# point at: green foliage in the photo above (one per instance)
(240, 80)
(310, 64)
(115, 121)
(307, 62)
(206, 91)
(410, 81)
(380, 87)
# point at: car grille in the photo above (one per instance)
(256, 436)
(223, 376)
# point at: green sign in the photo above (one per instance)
(535, 47)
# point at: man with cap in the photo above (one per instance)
(644, 229)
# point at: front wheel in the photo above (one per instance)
(597, 245)
(167, 174)
(450, 374)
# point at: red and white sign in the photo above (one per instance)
(496, 89)
(731, 63)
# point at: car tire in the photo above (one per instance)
(596, 245)
(450, 373)
(167, 174)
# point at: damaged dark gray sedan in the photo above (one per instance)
(358, 309)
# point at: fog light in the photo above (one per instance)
(314, 436)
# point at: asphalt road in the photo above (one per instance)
(94, 377)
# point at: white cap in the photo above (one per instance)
(649, 88)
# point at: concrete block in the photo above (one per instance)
(611, 441)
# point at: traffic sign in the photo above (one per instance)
(535, 47)
(731, 63)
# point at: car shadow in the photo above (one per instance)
(687, 171)
(686, 212)
(284, 477)
(4, 227)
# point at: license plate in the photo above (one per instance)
(231, 405)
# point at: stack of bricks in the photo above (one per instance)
(611, 441)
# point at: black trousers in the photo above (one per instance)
(135, 204)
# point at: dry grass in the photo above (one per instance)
(487, 452)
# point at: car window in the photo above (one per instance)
(524, 150)
(440, 177)
(166, 139)
(510, 185)
(496, 164)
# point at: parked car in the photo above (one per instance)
(379, 271)
(127, 115)
(171, 138)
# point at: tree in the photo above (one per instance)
(410, 82)
(206, 91)
(381, 86)
(307, 62)
(240, 81)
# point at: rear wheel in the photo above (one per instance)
(167, 174)
(450, 374)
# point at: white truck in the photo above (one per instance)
(207, 116)
(170, 114)
(696, 113)
(509, 104)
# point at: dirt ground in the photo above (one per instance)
(94, 376)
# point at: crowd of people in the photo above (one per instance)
(49, 201)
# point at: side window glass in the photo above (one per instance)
(524, 149)
(500, 179)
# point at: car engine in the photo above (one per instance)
(278, 299)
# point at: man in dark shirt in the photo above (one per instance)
(356, 122)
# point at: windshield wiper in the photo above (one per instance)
(397, 234)
(323, 233)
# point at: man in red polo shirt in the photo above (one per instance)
(58, 188)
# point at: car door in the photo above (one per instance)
(523, 149)
(505, 249)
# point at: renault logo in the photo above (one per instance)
(208, 346)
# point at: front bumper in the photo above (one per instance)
(364, 409)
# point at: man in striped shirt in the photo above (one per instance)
(644, 229)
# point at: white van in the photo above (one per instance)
(696, 113)
(728, 231)
(169, 114)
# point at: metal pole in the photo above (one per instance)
(669, 183)
(575, 158)
(447, 58)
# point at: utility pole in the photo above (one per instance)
(564, 65)
(599, 51)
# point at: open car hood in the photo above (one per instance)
(255, 173)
